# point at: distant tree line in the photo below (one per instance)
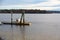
(27, 11)
(21, 10)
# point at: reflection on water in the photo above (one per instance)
(21, 30)
(1, 38)
(13, 32)
(44, 27)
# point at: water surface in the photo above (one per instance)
(44, 27)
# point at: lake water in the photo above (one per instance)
(43, 27)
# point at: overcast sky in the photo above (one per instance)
(30, 4)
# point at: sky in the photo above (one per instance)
(30, 4)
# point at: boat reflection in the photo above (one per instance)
(20, 32)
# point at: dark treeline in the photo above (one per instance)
(21, 10)
(27, 11)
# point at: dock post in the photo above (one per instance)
(11, 17)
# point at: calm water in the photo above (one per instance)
(44, 27)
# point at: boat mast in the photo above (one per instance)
(22, 20)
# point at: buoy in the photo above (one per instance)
(30, 23)
(18, 20)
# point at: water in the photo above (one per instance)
(44, 27)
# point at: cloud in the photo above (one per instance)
(53, 0)
(48, 5)
(16, 2)
(27, 7)
(32, 1)
(28, 0)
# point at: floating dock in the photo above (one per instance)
(15, 23)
